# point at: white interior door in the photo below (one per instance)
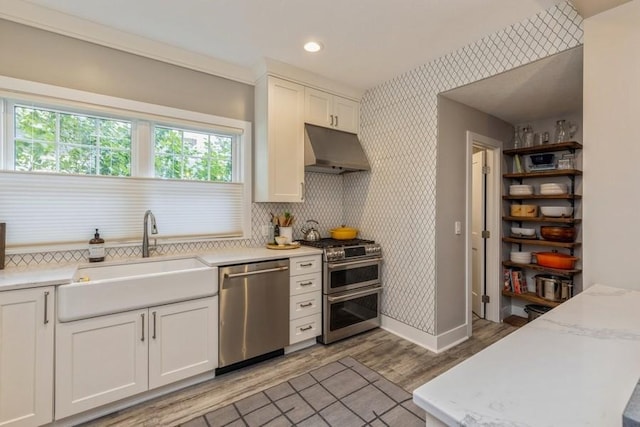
(478, 198)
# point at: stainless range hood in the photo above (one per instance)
(332, 151)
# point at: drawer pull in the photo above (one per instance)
(307, 264)
(309, 283)
(306, 328)
(306, 304)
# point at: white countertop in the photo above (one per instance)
(574, 366)
(47, 275)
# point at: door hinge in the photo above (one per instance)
(486, 234)
(485, 298)
(486, 169)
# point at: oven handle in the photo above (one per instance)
(354, 294)
(345, 264)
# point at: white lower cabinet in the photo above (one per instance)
(184, 341)
(107, 358)
(26, 357)
(305, 298)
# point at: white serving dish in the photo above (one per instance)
(556, 211)
(523, 231)
(553, 188)
(521, 190)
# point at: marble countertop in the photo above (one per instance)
(47, 275)
(577, 365)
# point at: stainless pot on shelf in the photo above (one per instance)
(553, 288)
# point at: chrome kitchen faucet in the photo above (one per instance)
(145, 234)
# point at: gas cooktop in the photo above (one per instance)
(335, 243)
(339, 250)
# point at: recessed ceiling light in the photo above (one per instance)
(312, 46)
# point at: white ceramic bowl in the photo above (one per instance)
(556, 211)
(523, 231)
(281, 240)
(521, 257)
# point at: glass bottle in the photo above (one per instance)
(527, 136)
(517, 142)
(561, 132)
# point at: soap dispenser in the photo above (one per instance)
(96, 248)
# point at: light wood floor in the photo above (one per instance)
(400, 361)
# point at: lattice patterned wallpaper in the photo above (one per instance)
(395, 203)
(324, 201)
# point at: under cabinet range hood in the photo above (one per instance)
(332, 151)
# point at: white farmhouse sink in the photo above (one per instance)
(106, 289)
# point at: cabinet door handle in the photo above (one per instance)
(302, 190)
(306, 304)
(142, 315)
(46, 307)
(332, 120)
(308, 264)
(336, 121)
(306, 328)
(154, 325)
(309, 283)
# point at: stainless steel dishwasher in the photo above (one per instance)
(254, 311)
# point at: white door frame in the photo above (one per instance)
(493, 265)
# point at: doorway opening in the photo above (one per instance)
(483, 227)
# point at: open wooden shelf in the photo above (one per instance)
(538, 242)
(536, 267)
(543, 174)
(543, 197)
(531, 297)
(546, 148)
(554, 220)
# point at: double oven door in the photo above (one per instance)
(351, 300)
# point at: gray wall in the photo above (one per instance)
(454, 120)
(37, 55)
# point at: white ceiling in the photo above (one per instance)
(549, 87)
(366, 41)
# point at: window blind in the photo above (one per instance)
(49, 209)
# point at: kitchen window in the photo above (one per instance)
(72, 161)
(187, 154)
(47, 140)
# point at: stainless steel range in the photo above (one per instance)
(351, 287)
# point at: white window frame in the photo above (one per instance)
(143, 117)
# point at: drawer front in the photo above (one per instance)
(305, 264)
(305, 283)
(305, 328)
(305, 305)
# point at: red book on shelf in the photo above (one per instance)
(515, 281)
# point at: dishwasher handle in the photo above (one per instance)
(253, 273)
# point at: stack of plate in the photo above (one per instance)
(553, 188)
(521, 257)
(521, 190)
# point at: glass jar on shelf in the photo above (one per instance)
(560, 133)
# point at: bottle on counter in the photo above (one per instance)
(96, 248)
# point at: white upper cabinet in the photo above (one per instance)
(279, 145)
(331, 111)
(26, 357)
